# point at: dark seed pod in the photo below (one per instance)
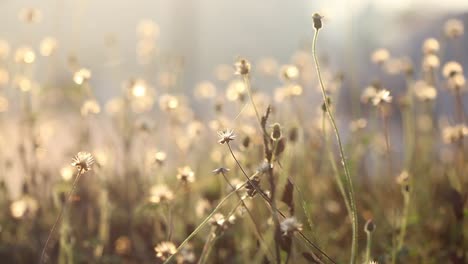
(369, 227)
(317, 21)
(276, 134)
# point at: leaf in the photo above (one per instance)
(288, 197)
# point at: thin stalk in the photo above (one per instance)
(404, 220)
(202, 224)
(268, 202)
(354, 245)
(336, 173)
(257, 229)
(59, 217)
(368, 247)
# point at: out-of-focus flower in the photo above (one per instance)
(205, 89)
(168, 102)
(430, 62)
(185, 175)
(48, 46)
(289, 73)
(122, 245)
(267, 66)
(236, 90)
(25, 206)
(456, 133)
(160, 193)
(30, 15)
(368, 93)
(424, 91)
(148, 29)
(382, 96)
(89, 107)
(165, 249)
(431, 46)
(242, 67)
(380, 56)
(83, 161)
(289, 226)
(358, 124)
(451, 69)
(453, 28)
(81, 76)
(25, 54)
(67, 173)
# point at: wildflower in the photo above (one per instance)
(66, 173)
(276, 134)
(159, 157)
(147, 29)
(430, 62)
(186, 175)
(289, 226)
(242, 67)
(368, 93)
(160, 193)
(264, 167)
(168, 102)
(236, 90)
(453, 28)
(83, 161)
(452, 134)
(403, 177)
(382, 96)
(380, 56)
(165, 249)
(186, 255)
(221, 222)
(431, 46)
(205, 89)
(226, 136)
(202, 208)
(122, 245)
(90, 107)
(25, 54)
(81, 76)
(289, 73)
(30, 15)
(358, 124)
(252, 186)
(457, 82)
(424, 91)
(48, 46)
(317, 19)
(221, 170)
(369, 227)
(24, 207)
(451, 69)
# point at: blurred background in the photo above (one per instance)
(206, 33)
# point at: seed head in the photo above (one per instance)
(369, 227)
(451, 69)
(453, 28)
(431, 46)
(382, 96)
(276, 134)
(226, 136)
(186, 175)
(165, 249)
(289, 226)
(83, 161)
(160, 193)
(317, 19)
(221, 170)
(242, 67)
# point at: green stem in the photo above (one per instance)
(354, 245)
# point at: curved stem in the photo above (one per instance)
(59, 217)
(354, 244)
